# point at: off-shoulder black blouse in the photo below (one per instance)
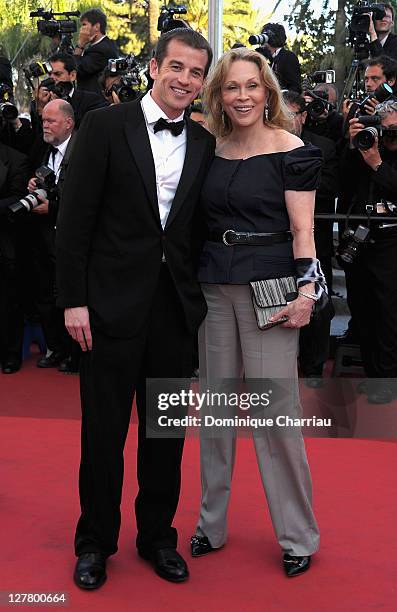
(248, 195)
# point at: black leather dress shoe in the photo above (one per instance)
(10, 366)
(90, 571)
(67, 366)
(52, 361)
(294, 566)
(200, 545)
(168, 564)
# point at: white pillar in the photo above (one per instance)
(215, 15)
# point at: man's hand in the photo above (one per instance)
(371, 30)
(354, 127)
(43, 96)
(370, 106)
(77, 322)
(84, 36)
(372, 156)
(32, 185)
(41, 209)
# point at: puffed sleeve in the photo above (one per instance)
(302, 168)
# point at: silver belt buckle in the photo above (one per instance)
(224, 239)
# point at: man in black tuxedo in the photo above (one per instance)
(127, 281)
(284, 63)
(93, 50)
(58, 125)
(382, 39)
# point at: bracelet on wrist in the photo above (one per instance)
(310, 296)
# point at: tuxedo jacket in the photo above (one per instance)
(84, 101)
(110, 241)
(92, 62)
(287, 70)
(389, 48)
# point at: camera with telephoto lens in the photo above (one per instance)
(8, 111)
(366, 138)
(45, 188)
(166, 20)
(351, 241)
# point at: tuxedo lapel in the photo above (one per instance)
(194, 149)
(139, 144)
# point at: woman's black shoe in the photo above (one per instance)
(294, 566)
(90, 572)
(200, 545)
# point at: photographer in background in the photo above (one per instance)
(382, 39)
(13, 177)
(371, 272)
(15, 132)
(329, 123)
(284, 63)
(58, 126)
(314, 338)
(93, 50)
(64, 70)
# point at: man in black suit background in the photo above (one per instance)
(58, 126)
(284, 63)
(127, 280)
(93, 50)
(382, 39)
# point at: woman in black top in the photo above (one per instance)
(262, 180)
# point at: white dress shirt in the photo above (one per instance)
(54, 162)
(168, 154)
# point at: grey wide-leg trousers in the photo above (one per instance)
(231, 346)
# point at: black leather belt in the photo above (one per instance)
(231, 237)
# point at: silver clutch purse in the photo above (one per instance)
(270, 296)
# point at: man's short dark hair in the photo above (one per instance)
(67, 60)
(388, 65)
(94, 16)
(189, 37)
(292, 97)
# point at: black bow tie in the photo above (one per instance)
(176, 127)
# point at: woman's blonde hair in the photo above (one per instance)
(278, 115)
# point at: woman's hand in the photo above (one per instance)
(298, 312)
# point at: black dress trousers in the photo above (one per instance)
(111, 373)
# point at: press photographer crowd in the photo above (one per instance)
(356, 131)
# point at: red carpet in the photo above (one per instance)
(355, 502)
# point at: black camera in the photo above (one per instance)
(46, 188)
(366, 138)
(382, 93)
(318, 105)
(60, 89)
(351, 242)
(126, 90)
(8, 111)
(360, 20)
(130, 82)
(48, 25)
(166, 21)
(37, 69)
